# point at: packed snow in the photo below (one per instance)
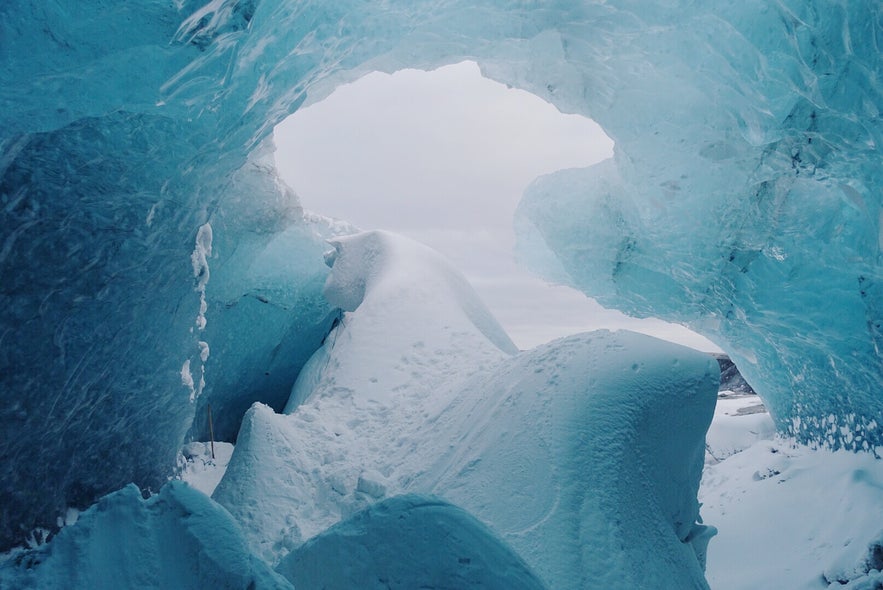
(583, 455)
(408, 542)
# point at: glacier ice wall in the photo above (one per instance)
(136, 252)
(746, 177)
(745, 204)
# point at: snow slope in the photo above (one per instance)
(583, 455)
(408, 542)
(788, 516)
(420, 324)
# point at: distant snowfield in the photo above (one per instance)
(787, 516)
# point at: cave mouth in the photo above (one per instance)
(443, 157)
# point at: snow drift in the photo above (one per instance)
(583, 455)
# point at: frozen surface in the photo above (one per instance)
(176, 539)
(408, 542)
(583, 455)
(788, 516)
(743, 200)
(123, 320)
(200, 469)
(739, 422)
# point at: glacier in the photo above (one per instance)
(151, 264)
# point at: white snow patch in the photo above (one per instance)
(739, 422)
(203, 350)
(187, 379)
(202, 250)
(199, 469)
(70, 517)
(788, 516)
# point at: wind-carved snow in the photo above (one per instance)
(584, 455)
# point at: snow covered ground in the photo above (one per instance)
(200, 469)
(788, 517)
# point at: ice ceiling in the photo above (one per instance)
(150, 263)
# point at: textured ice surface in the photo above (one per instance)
(408, 542)
(746, 185)
(178, 539)
(122, 316)
(583, 455)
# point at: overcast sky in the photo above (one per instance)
(443, 157)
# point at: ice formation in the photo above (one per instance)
(743, 200)
(176, 539)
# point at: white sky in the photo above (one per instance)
(444, 157)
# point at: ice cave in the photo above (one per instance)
(388, 433)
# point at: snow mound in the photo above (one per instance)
(583, 455)
(410, 300)
(404, 543)
(379, 269)
(177, 539)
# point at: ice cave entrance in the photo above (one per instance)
(444, 157)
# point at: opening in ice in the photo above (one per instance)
(444, 157)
